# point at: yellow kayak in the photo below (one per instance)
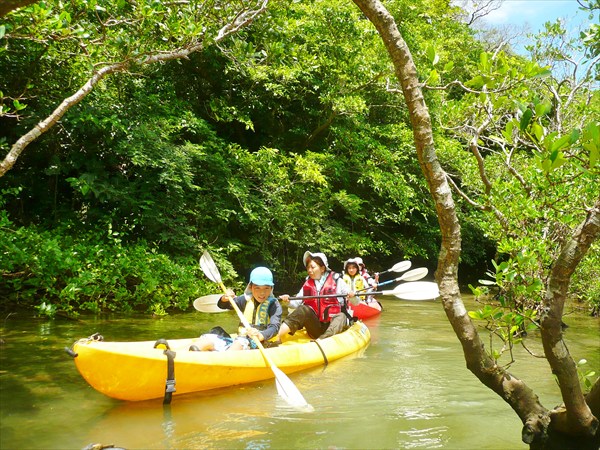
(138, 371)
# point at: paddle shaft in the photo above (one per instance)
(246, 324)
(411, 275)
(303, 297)
(395, 292)
(384, 283)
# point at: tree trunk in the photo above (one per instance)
(536, 419)
(576, 416)
(7, 6)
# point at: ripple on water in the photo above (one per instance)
(423, 437)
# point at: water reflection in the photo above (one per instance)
(409, 389)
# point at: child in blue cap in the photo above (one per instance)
(262, 310)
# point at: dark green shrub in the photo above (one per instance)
(54, 271)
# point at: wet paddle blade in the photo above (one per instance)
(208, 304)
(398, 267)
(411, 275)
(210, 309)
(401, 266)
(288, 390)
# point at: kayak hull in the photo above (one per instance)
(136, 371)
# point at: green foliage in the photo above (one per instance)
(516, 278)
(507, 327)
(513, 284)
(284, 137)
(586, 377)
(54, 273)
(512, 297)
(526, 171)
(587, 293)
(536, 167)
(46, 310)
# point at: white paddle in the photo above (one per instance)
(414, 290)
(285, 387)
(402, 266)
(208, 304)
(411, 275)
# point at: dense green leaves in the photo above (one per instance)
(288, 135)
(59, 274)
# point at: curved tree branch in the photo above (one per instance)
(241, 20)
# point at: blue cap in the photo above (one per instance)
(261, 276)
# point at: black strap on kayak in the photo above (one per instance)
(349, 316)
(322, 352)
(170, 384)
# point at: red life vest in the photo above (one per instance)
(324, 307)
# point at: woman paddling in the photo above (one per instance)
(322, 317)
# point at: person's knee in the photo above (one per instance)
(337, 324)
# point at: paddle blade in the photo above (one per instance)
(398, 267)
(401, 266)
(411, 275)
(210, 269)
(414, 275)
(288, 390)
(208, 304)
(416, 290)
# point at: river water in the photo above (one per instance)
(409, 389)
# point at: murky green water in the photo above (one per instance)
(410, 389)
